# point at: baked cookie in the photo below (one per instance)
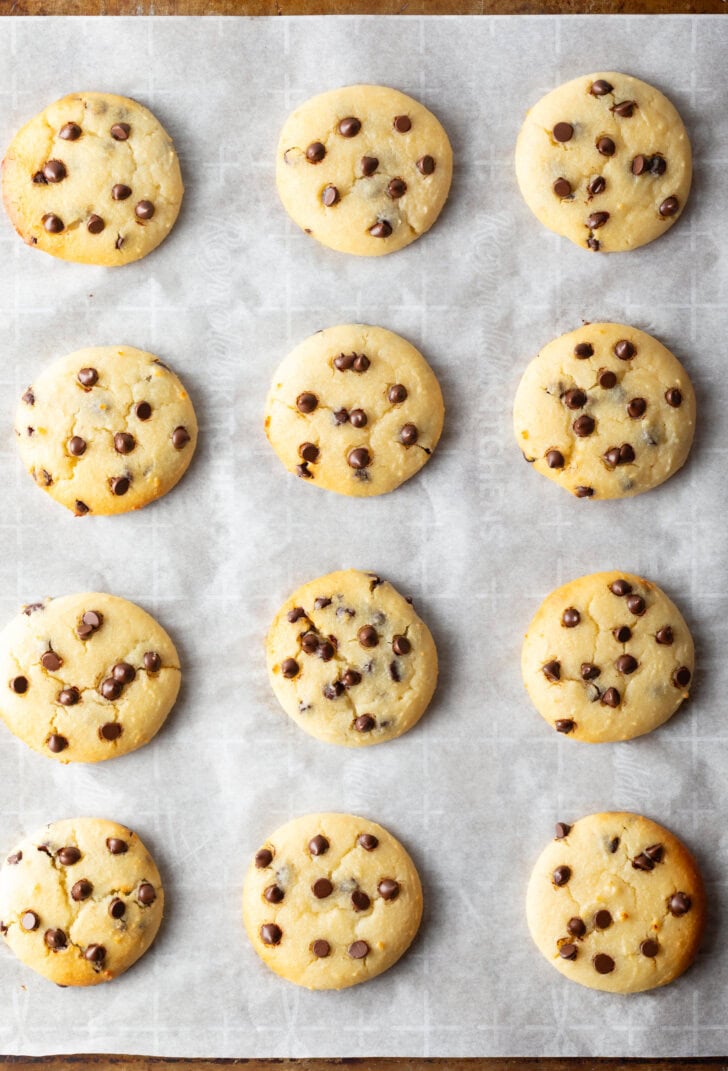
(607, 657)
(363, 169)
(86, 677)
(350, 660)
(106, 430)
(331, 900)
(354, 409)
(605, 161)
(93, 178)
(606, 411)
(80, 901)
(616, 902)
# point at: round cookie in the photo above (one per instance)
(354, 409)
(605, 161)
(606, 411)
(607, 657)
(80, 901)
(363, 169)
(86, 677)
(93, 178)
(106, 430)
(331, 900)
(350, 661)
(616, 902)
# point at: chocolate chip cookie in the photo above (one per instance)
(616, 902)
(354, 409)
(350, 661)
(331, 900)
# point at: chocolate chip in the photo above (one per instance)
(425, 165)
(673, 397)
(349, 127)
(274, 894)
(15, 858)
(289, 667)
(116, 845)
(146, 894)
(564, 725)
(296, 613)
(270, 934)
(321, 949)
(649, 948)
(82, 889)
(367, 636)
(642, 862)
(603, 964)
(381, 229)
(603, 919)
(568, 951)
(361, 362)
(583, 350)
(120, 131)
(119, 242)
(143, 410)
(144, 210)
(640, 164)
(397, 188)
(637, 408)
(401, 645)
(562, 187)
(563, 132)
(152, 662)
(358, 418)
(333, 690)
(80, 508)
(636, 605)
(597, 185)
(124, 443)
(322, 888)
(69, 696)
(368, 841)
(596, 220)
(679, 904)
(306, 402)
(555, 459)
(309, 452)
(593, 244)
(29, 921)
(55, 939)
(119, 485)
(575, 399)
(318, 845)
(388, 889)
(369, 165)
(681, 678)
(655, 852)
(111, 689)
(611, 698)
(54, 171)
(584, 425)
(358, 458)
(315, 152)
(117, 908)
(669, 206)
(364, 723)
(589, 672)
(658, 165)
(28, 398)
(561, 875)
(310, 643)
(95, 953)
(322, 602)
(606, 146)
(70, 132)
(576, 926)
(600, 88)
(263, 858)
(562, 829)
(19, 685)
(583, 492)
(329, 196)
(665, 636)
(69, 855)
(120, 192)
(57, 743)
(123, 672)
(87, 377)
(180, 437)
(552, 671)
(624, 349)
(110, 731)
(622, 634)
(570, 617)
(408, 435)
(620, 587)
(613, 844)
(625, 108)
(358, 950)
(402, 124)
(626, 664)
(53, 224)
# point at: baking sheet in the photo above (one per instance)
(477, 538)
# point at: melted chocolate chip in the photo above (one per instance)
(357, 418)
(111, 689)
(289, 667)
(637, 408)
(625, 109)
(95, 954)
(401, 645)
(124, 443)
(397, 188)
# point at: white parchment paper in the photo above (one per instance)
(477, 539)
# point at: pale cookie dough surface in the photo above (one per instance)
(350, 661)
(331, 900)
(106, 429)
(354, 409)
(86, 677)
(94, 178)
(605, 161)
(80, 901)
(616, 903)
(606, 411)
(363, 169)
(607, 657)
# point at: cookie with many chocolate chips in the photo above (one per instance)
(331, 900)
(607, 657)
(350, 661)
(354, 409)
(106, 430)
(616, 902)
(86, 677)
(605, 161)
(80, 901)
(93, 178)
(607, 411)
(363, 169)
